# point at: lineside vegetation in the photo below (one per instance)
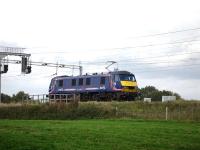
(178, 110)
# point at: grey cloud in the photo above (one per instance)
(8, 44)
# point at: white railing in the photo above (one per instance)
(51, 98)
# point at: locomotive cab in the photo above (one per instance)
(125, 82)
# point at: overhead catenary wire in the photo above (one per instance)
(170, 68)
(45, 64)
(149, 45)
(136, 71)
(147, 70)
(166, 68)
(102, 58)
(133, 47)
(142, 58)
(166, 33)
(126, 61)
(148, 35)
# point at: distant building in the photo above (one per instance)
(168, 98)
(147, 100)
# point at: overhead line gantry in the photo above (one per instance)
(25, 62)
(10, 51)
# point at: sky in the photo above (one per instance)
(157, 40)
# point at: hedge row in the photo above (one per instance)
(94, 110)
(55, 111)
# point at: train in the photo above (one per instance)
(115, 85)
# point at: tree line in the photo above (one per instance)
(155, 94)
(14, 98)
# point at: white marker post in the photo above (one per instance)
(166, 113)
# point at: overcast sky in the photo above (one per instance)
(92, 32)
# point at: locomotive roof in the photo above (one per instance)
(120, 72)
(94, 74)
(82, 76)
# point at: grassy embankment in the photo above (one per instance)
(183, 110)
(99, 135)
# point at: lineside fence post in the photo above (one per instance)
(166, 113)
(116, 111)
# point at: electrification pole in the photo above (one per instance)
(80, 69)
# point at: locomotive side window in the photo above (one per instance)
(80, 81)
(103, 80)
(73, 82)
(60, 83)
(125, 77)
(117, 78)
(88, 81)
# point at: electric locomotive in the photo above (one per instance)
(116, 85)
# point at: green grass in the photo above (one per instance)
(99, 135)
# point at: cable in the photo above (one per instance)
(104, 58)
(135, 70)
(165, 33)
(133, 47)
(152, 45)
(185, 66)
(136, 63)
(139, 58)
(172, 32)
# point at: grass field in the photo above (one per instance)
(99, 135)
